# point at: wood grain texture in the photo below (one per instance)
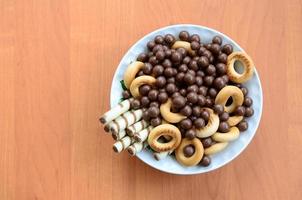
(57, 59)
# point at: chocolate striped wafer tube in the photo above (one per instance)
(138, 126)
(136, 148)
(125, 120)
(119, 135)
(161, 155)
(122, 144)
(143, 134)
(116, 111)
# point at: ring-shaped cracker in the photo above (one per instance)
(231, 135)
(227, 92)
(211, 127)
(195, 158)
(165, 111)
(139, 81)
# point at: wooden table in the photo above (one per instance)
(57, 59)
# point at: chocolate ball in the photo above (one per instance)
(208, 46)
(192, 72)
(190, 134)
(209, 101)
(167, 63)
(182, 51)
(184, 35)
(211, 59)
(212, 92)
(210, 70)
(198, 81)
(192, 97)
(158, 47)
(208, 80)
(140, 73)
(186, 111)
(174, 70)
(220, 68)
(160, 81)
(160, 55)
(159, 39)
(150, 54)
(224, 116)
(176, 57)
(240, 110)
(146, 116)
(225, 78)
(145, 101)
(147, 69)
(201, 50)
(193, 65)
(227, 48)
(189, 79)
(223, 127)
(217, 40)
(195, 37)
(207, 54)
(153, 112)
(126, 94)
(205, 161)
(243, 125)
(144, 89)
(203, 61)
(196, 111)
(205, 115)
(168, 72)
(218, 109)
(168, 53)
(248, 101)
(215, 48)
(151, 45)
(192, 88)
(186, 124)
(195, 45)
(201, 100)
(175, 94)
(165, 48)
(135, 104)
(169, 39)
(155, 121)
(219, 83)
(183, 68)
(179, 77)
(170, 88)
(186, 60)
(152, 95)
(154, 104)
(171, 80)
(162, 97)
(207, 142)
(142, 57)
(183, 92)
(203, 90)
(188, 151)
(199, 123)
(244, 90)
(249, 112)
(179, 101)
(200, 73)
(158, 70)
(222, 58)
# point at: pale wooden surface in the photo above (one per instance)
(57, 59)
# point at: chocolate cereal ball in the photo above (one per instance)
(184, 35)
(169, 39)
(179, 101)
(190, 134)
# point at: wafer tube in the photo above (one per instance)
(136, 148)
(122, 144)
(119, 135)
(161, 155)
(143, 134)
(125, 120)
(138, 126)
(116, 111)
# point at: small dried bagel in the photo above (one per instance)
(233, 134)
(185, 45)
(131, 72)
(164, 130)
(195, 158)
(139, 81)
(211, 126)
(248, 66)
(215, 148)
(234, 120)
(165, 111)
(227, 92)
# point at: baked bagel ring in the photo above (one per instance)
(185, 45)
(233, 134)
(139, 81)
(211, 127)
(195, 158)
(234, 120)
(131, 72)
(165, 111)
(215, 148)
(247, 63)
(227, 92)
(162, 130)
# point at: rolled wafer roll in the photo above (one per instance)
(119, 135)
(138, 126)
(161, 155)
(122, 144)
(116, 111)
(125, 120)
(142, 135)
(136, 148)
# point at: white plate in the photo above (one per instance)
(169, 164)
